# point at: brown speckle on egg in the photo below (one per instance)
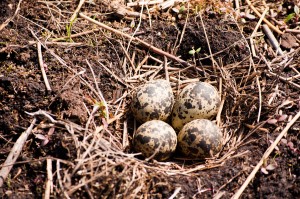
(155, 137)
(196, 101)
(200, 138)
(153, 101)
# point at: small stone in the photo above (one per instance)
(288, 41)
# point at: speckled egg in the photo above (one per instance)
(200, 138)
(155, 137)
(153, 101)
(196, 101)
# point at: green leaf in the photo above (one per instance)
(289, 17)
(192, 52)
(182, 8)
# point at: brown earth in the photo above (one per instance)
(23, 91)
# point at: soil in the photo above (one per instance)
(72, 97)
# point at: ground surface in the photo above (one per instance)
(89, 162)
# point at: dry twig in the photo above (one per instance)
(74, 35)
(49, 183)
(208, 43)
(73, 17)
(177, 190)
(264, 19)
(42, 66)
(14, 153)
(255, 30)
(60, 180)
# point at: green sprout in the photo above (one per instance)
(182, 9)
(289, 17)
(102, 109)
(69, 30)
(193, 51)
(293, 15)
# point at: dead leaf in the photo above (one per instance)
(264, 170)
(284, 141)
(51, 131)
(271, 167)
(40, 136)
(250, 16)
(44, 142)
(291, 145)
(272, 121)
(282, 118)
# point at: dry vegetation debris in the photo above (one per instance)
(68, 70)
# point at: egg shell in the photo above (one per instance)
(153, 101)
(157, 137)
(200, 138)
(198, 100)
